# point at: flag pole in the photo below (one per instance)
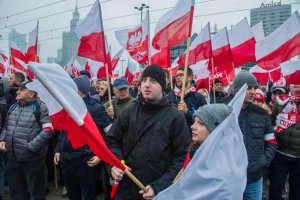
(213, 76)
(185, 69)
(149, 52)
(135, 180)
(227, 77)
(171, 77)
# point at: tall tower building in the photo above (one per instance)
(271, 14)
(70, 42)
(18, 38)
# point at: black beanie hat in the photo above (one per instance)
(156, 72)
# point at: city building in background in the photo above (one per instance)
(271, 14)
(18, 38)
(51, 60)
(70, 42)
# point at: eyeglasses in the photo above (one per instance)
(179, 75)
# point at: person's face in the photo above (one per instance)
(219, 87)
(97, 86)
(136, 81)
(12, 80)
(151, 89)
(250, 94)
(122, 93)
(179, 78)
(199, 131)
(295, 90)
(23, 94)
(102, 89)
(275, 94)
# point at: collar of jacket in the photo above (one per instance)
(120, 101)
(155, 104)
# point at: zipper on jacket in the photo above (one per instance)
(13, 135)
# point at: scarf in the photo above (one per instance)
(289, 115)
(177, 91)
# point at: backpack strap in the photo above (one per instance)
(37, 112)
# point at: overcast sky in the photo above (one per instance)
(205, 10)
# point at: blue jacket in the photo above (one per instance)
(70, 156)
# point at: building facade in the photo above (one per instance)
(19, 39)
(271, 14)
(70, 42)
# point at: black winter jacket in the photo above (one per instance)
(153, 139)
(255, 123)
(71, 156)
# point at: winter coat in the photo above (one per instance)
(289, 139)
(219, 96)
(26, 140)
(71, 156)
(255, 123)
(153, 139)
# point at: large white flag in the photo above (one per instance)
(218, 169)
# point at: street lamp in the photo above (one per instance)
(141, 9)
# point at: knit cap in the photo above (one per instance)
(242, 78)
(83, 84)
(156, 72)
(212, 115)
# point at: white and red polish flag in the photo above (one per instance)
(116, 59)
(91, 34)
(201, 74)
(2, 65)
(242, 43)
(32, 46)
(281, 45)
(130, 71)
(175, 26)
(258, 31)
(221, 49)
(263, 75)
(291, 71)
(17, 58)
(2, 54)
(161, 57)
(68, 111)
(136, 40)
(200, 48)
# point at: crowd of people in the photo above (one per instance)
(151, 127)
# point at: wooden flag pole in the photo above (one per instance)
(149, 42)
(108, 85)
(171, 78)
(227, 78)
(213, 76)
(185, 69)
(178, 175)
(135, 180)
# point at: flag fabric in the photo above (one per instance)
(136, 40)
(2, 54)
(17, 58)
(174, 26)
(67, 110)
(201, 74)
(161, 57)
(218, 169)
(93, 67)
(281, 45)
(116, 59)
(32, 46)
(221, 49)
(263, 75)
(242, 43)
(2, 65)
(258, 31)
(291, 71)
(91, 34)
(200, 48)
(130, 71)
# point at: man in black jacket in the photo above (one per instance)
(151, 136)
(258, 132)
(77, 164)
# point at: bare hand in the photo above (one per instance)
(110, 111)
(56, 158)
(3, 146)
(182, 107)
(148, 195)
(117, 173)
(93, 161)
